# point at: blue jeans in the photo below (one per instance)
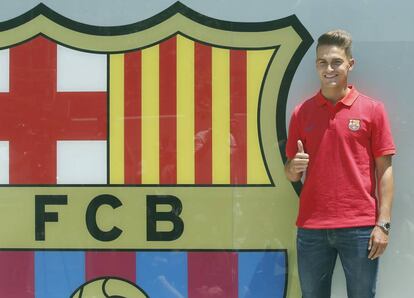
(317, 252)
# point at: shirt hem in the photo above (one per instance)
(340, 226)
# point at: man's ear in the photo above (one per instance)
(351, 64)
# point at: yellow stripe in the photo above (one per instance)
(150, 115)
(257, 62)
(116, 125)
(185, 111)
(221, 115)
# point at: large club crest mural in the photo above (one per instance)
(145, 160)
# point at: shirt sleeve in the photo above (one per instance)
(382, 142)
(293, 135)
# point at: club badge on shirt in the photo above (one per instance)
(354, 124)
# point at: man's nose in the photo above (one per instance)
(329, 67)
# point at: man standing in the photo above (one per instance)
(340, 140)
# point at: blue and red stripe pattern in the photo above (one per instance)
(166, 274)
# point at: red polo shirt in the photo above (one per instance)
(342, 141)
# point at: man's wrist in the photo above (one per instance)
(385, 225)
(289, 170)
(294, 176)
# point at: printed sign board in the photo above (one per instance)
(146, 160)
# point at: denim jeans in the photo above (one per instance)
(317, 253)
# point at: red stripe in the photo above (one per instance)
(17, 274)
(168, 112)
(212, 274)
(238, 117)
(133, 118)
(119, 264)
(203, 114)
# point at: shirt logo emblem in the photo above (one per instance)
(354, 124)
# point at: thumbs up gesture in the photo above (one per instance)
(298, 164)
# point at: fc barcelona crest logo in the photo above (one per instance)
(145, 157)
(354, 124)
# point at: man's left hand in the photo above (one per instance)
(377, 243)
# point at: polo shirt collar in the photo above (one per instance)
(348, 100)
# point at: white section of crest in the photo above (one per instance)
(80, 71)
(4, 162)
(81, 162)
(4, 71)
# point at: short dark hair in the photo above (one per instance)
(339, 38)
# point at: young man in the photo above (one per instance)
(340, 141)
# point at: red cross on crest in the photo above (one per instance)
(35, 115)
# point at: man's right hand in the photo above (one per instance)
(297, 165)
(300, 162)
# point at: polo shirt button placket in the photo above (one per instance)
(332, 112)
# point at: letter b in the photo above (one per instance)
(153, 216)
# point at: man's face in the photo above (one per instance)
(333, 66)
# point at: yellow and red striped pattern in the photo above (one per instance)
(182, 112)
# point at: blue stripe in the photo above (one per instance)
(262, 274)
(58, 273)
(163, 274)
